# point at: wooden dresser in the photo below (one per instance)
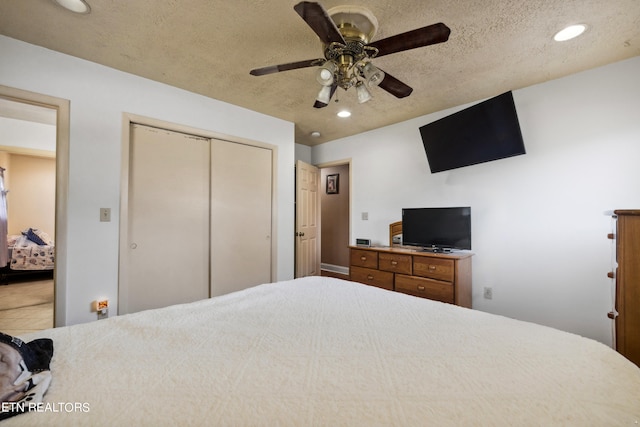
(627, 277)
(441, 277)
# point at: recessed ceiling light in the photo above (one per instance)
(344, 113)
(77, 6)
(572, 31)
(315, 134)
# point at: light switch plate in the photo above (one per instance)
(105, 214)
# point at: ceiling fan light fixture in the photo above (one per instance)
(324, 95)
(76, 6)
(372, 74)
(570, 32)
(363, 93)
(325, 74)
(345, 33)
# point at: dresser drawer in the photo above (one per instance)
(426, 288)
(362, 258)
(396, 263)
(433, 268)
(369, 276)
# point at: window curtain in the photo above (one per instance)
(4, 250)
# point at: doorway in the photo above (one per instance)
(335, 214)
(36, 134)
(326, 202)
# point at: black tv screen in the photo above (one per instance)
(437, 228)
(481, 133)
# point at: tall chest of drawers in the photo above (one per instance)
(627, 277)
(441, 277)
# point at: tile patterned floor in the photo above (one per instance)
(26, 307)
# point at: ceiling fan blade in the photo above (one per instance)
(286, 67)
(394, 86)
(320, 104)
(425, 36)
(318, 19)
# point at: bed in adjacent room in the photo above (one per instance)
(323, 351)
(31, 256)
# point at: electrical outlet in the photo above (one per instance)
(488, 292)
(102, 308)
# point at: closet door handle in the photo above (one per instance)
(134, 246)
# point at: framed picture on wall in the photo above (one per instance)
(332, 183)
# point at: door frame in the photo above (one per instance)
(127, 120)
(62, 106)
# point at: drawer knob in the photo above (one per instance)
(363, 258)
(370, 277)
(394, 263)
(420, 288)
(432, 268)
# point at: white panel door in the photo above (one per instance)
(241, 211)
(307, 220)
(168, 220)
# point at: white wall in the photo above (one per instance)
(99, 96)
(303, 152)
(538, 228)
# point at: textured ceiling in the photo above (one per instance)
(209, 46)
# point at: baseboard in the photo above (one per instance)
(335, 268)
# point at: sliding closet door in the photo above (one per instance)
(168, 219)
(241, 197)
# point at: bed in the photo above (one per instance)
(328, 352)
(31, 257)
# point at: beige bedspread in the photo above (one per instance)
(319, 351)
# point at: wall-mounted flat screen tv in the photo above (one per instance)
(481, 133)
(437, 229)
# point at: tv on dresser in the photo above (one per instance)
(438, 229)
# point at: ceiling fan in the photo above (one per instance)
(346, 32)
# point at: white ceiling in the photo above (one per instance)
(209, 46)
(27, 128)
